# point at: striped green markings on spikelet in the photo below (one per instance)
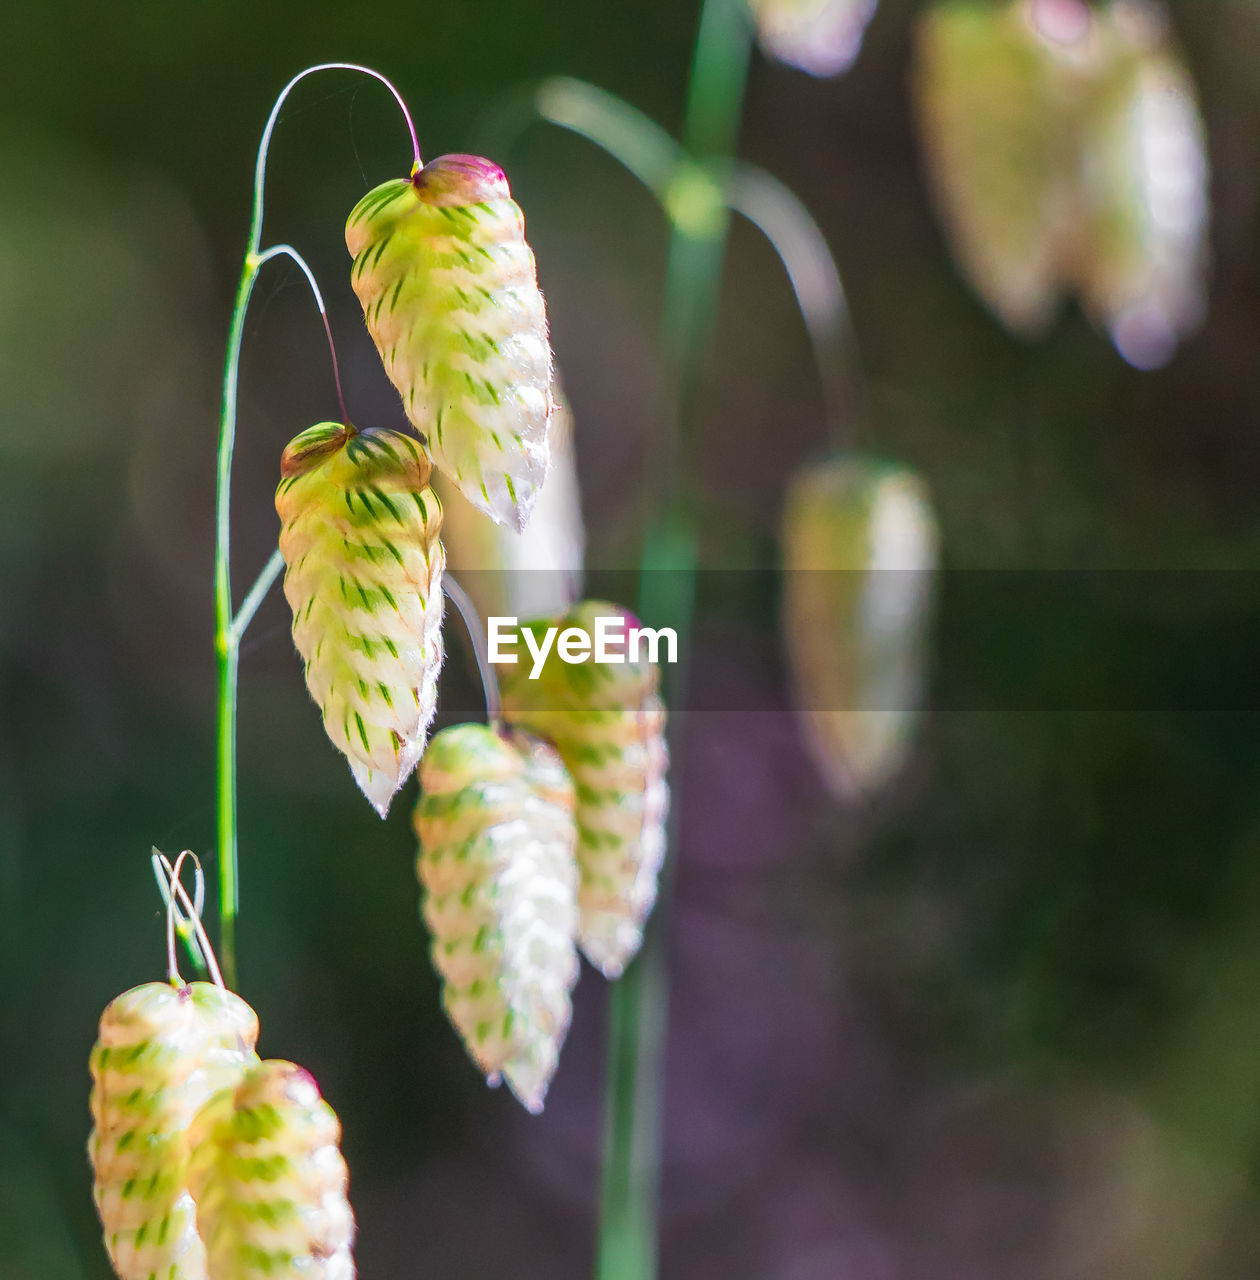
(608, 723)
(359, 534)
(860, 551)
(525, 574)
(995, 99)
(822, 37)
(162, 1052)
(451, 299)
(496, 862)
(269, 1180)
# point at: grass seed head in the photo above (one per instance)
(359, 536)
(607, 721)
(450, 295)
(496, 862)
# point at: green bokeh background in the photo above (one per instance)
(1002, 1026)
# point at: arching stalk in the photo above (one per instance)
(227, 628)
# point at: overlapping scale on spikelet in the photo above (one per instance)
(451, 299)
(860, 549)
(1067, 152)
(525, 574)
(1140, 263)
(161, 1054)
(269, 1180)
(822, 37)
(497, 836)
(994, 100)
(359, 535)
(608, 723)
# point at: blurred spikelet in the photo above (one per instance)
(523, 574)
(860, 550)
(497, 836)
(822, 37)
(608, 723)
(450, 295)
(161, 1053)
(269, 1181)
(1066, 152)
(359, 535)
(1141, 258)
(994, 97)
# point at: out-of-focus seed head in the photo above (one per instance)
(607, 721)
(860, 552)
(822, 37)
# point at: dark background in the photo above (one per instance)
(1004, 1024)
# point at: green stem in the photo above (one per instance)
(227, 630)
(639, 1001)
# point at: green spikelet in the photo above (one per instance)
(608, 723)
(496, 831)
(162, 1052)
(521, 575)
(819, 36)
(269, 1181)
(451, 299)
(359, 534)
(860, 549)
(1139, 259)
(995, 100)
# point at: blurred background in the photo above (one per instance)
(999, 1023)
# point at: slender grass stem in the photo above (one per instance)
(476, 637)
(227, 629)
(639, 1002)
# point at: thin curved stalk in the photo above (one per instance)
(476, 637)
(775, 210)
(227, 630)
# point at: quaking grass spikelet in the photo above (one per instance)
(163, 1050)
(860, 552)
(822, 37)
(608, 723)
(359, 535)
(269, 1180)
(451, 299)
(496, 862)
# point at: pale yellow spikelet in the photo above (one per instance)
(536, 571)
(822, 37)
(607, 721)
(269, 1180)
(359, 535)
(997, 101)
(450, 295)
(860, 553)
(1139, 261)
(497, 837)
(162, 1052)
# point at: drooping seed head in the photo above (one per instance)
(450, 295)
(162, 1052)
(608, 723)
(496, 862)
(860, 553)
(521, 574)
(359, 536)
(822, 37)
(269, 1180)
